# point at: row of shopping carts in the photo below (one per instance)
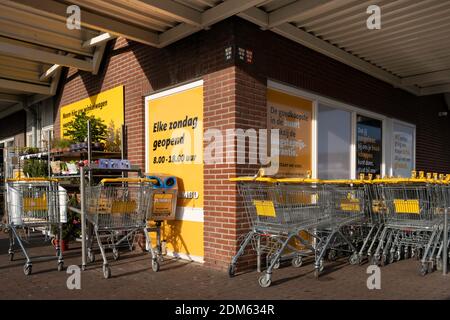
(116, 209)
(382, 220)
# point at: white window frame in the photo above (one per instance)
(5, 141)
(387, 127)
(391, 125)
(44, 130)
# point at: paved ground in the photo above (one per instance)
(132, 278)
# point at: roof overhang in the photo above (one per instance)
(411, 50)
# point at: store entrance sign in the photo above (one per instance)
(368, 145)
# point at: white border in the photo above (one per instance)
(185, 256)
(190, 214)
(405, 124)
(386, 123)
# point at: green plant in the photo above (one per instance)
(61, 143)
(77, 128)
(113, 139)
(34, 168)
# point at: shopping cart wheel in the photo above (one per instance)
(384, 260)
(354, 258)
(391, 257)
(106, 271)
(265, 281)
(332, 255)
(116, 254)
(91, 256)
(60, 266)
(317, 273)
(231, 270)
(155, 265)
(11, 256)
(439, 265)
(27, 269)
(423, 269)
(297, 262)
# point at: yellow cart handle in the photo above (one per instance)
(36, 179)
(129, 180)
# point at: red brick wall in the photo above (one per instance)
(281, 59)
(142, 70)
(235, 97)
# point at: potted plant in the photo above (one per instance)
(113, 139)
(70, 230)
(77, 130)
(34, 168)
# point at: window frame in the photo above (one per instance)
(387, 126)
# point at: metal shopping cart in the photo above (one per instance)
(34, 203)
(345, 229)
(278, 213)
(116, 209)
(412, 221)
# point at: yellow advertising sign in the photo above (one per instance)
(107, 105)
(175, 141)
(292, 115)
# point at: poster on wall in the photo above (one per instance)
(175, 143)
(403, 151)
(292, 116)
(174, 146)
(368, 145)
(107, 105)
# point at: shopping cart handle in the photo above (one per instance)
(129, 180)
(250, 179)
(36, 179)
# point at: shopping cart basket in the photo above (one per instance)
(280, 212)
(34, 203)
(116, 209)
(413, 217)
(344, 229)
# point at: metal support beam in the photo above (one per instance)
(435, 90)
(29, 53)
(302, 9)
(427, 78)
(10, 98)
(99, 40)
(24, 86)
(174, 10)
(89, 20)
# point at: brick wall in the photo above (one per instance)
(235, 97)
(281, 59)
(142, 70)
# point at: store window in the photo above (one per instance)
(403, 138)
(368, 145)
(46, 137)
(334, 143)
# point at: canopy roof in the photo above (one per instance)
(410, 51)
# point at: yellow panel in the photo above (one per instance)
(162, 204)
(107, 105)
(350, 205)
(407, 206)
(178, 118)
(35, 204)
(182, 237)
(264, 208)
(292, 115)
